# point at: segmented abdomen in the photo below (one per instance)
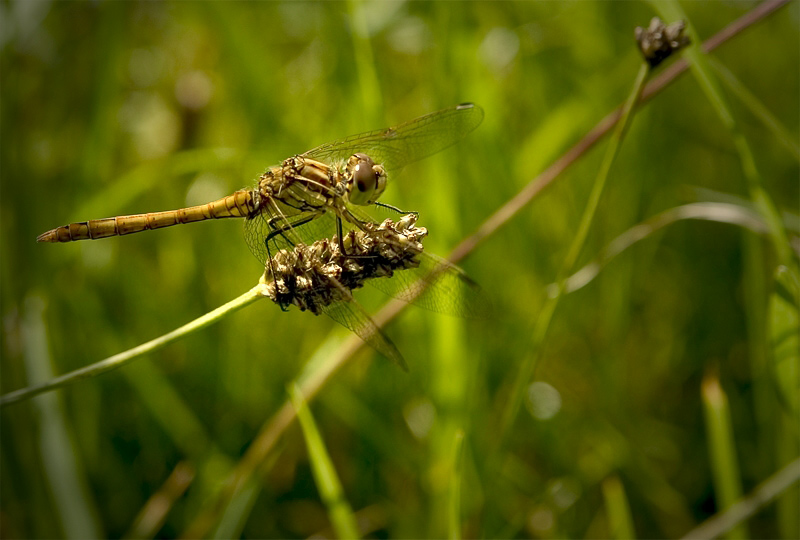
(239, 204)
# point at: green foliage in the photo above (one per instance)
(620, 522)
(325, 477)
(119, 108)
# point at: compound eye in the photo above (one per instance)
(364, 177)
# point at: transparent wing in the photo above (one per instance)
(352, 316)
(436, 284)
(439, 286)
(406, 143)
(285, 227)
(394, 147)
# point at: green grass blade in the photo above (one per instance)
(328, 484)
(764, 494)
(785, 341)
(119, 360)
(733, 214)
(620, 522)
(759, 110)
(788, 518)
(724, 463)
(155, 511)
(237, 511)
(528, 364)
(671, 10)
(62, 466)
(785, 359)
(454, 507)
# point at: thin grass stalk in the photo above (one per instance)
(718, 212)
(747, 507)
(119, 360)
(756, 107)
(788, 518)
(231, 522)
(154, 512)
(454, 498)
(235, 516)
(62, 467)
(756, 284)
(783, 373)
(755, 279)
(452, 363)
(328, 484)
(528, 364)
(722, 449)
(273, 429)
(263, 446)
(671, 9)
(620, 522)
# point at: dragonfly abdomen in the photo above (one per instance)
(239, 204)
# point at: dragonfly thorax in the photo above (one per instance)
(365, 181)
(302, 183)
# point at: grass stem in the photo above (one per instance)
(761, 496)
(620, 522)
(119, 360)
(454, 506)
(328, 484)
(542, 325)
(722, 448)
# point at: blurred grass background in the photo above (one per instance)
(123, 107)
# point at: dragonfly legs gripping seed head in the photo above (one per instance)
(321, 277)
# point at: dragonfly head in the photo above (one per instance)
(365, 180)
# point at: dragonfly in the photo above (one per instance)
(319, 195)
(320, 277)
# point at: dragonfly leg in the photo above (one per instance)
(279, 231)
(272, 272)
(293, 201)
(340, 234)
(394, 208)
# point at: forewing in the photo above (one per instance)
(406, 143)
(351, 315)
(439, 286)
